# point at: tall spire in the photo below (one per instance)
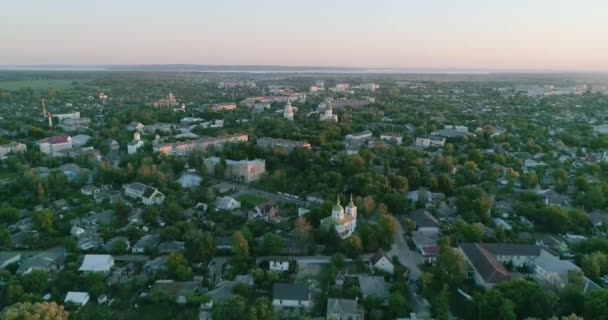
(338, 199)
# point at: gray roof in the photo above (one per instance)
(374, 286)
(485, 263)
(290, 291)
(424, 219)
(341, 306)
(148, 241)
(511, 249)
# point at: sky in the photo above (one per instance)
(557, 35)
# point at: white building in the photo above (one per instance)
(53, 146)
(381, 261)
(97, 263)
(369, 86)
(148, 195)
(343, 221)
(226, 203)
(242, 170)
(14, 147)
(66, 116)
(288, 112)
(77, 298)
(278, 264)
(359, 136)
(432, 141)
(135, 144)
(392, 138)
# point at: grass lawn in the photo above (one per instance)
(249, 199)
(36, 84)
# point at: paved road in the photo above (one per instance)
(245, 189)
(407, 257)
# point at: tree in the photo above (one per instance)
(492, 305)
(240, 244)
(354, 246)
(27, 310)
(440, 306)
(450, 267)
(553, 219)
(122, 213)
(397, 305)
(178, 267)
(529, 299)
(302, 228)
(596, 306)
(36, 282)
(368, 206)
(200, 247)
(595, 264)
(5, 237)
(43, 221)
(273, 243)
(528, 180)
(473, 204)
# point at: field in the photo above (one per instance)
(35, 84)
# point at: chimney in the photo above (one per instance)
(50, 120)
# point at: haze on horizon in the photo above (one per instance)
(556, 35)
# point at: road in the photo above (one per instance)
(407, 257)
(246, 189)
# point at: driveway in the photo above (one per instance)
(407, 257)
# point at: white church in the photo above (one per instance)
(343, 220)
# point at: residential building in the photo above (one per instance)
(426, 244)
(89, 190)
(229, 84)
(186, 147)
(267, 211)
(67, 116)
(291, 295)
(392, 138)
(382, 262)
(102, 263)
(223, 106)
(424, 221)
(147, 194)
(343, 309)
(289, 145)
(278, 264)
(135, 144)
(146, 243)
(342, 220)
(518, 255)
(50, 260)
(77, 298)
(484, 268)
(374, 286)
(369, 86)
(226, 203)
(14, 147)
(135, 126)
(53, 146)
(360, 136)
(243, 170)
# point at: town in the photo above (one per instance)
(321, 196)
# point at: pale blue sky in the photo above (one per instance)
(477, 34)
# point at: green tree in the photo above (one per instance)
(273, 243)
(493, 305)
(240, 245)
(450, 267)
(5, 237)
(398, 305)
(473, 204)
(354, 246)
(43, 221)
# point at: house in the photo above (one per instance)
(146, 243)
(278, 264)
(597, 219)
(426, 244)
(135, 144)
(178, 290)
(8, 258)
(135, 126)
(551, 269)
(97, 263)
(360, 136)
(424, 221)
(147, 194)
(50, 260)
(551, 198)
(190, 180)
(392, 138)
(155, 265)
(518, 255)
(382, 262)
(113, 145)
(484, 268)
(77, 298)
(14, 147)
(89, 190)
(226, 203)
(171, 247)
(343, 309)
(374, 286)
(268, 211)
(291, 295)
(77, 231)
(223, 243)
